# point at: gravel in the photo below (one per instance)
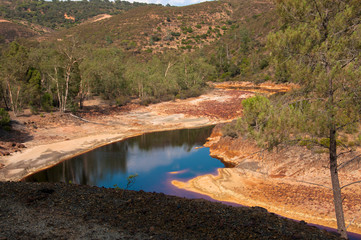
(69, 211)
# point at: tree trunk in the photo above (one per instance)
(81, 93)
(5, 102)
(68, 72)
(13, 107)
(337, 197)
(56, 80)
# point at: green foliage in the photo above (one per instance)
(46, 102)
(155, 38)
(131, 180)
(13, 71)
(319, 47)
(263, 64)
(271, 123)
(176, 34)
(97, 67)
(4, 118)
(52, 14)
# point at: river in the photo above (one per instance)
(154, 158)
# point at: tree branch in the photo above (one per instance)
(348, 162)
(347, 185)
(316, 184)
(346, 152)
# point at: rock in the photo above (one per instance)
(20, 145)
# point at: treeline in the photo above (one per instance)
(48, 76)
(52, 14)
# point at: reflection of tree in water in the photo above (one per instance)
(88, 167)
(184, 137)
(111, 159)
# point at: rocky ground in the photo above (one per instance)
(67, 211)
(292, 181)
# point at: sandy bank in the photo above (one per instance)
(292, 182)
(55, 137)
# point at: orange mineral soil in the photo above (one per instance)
(293, 182)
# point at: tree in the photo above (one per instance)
(102, 74)
(70, 56)
(13, 69)
(317, 47)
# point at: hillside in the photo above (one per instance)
(229, 34)
(157, 28)
(154, 53)
(67, 211)
(60, 14)
(10, 31)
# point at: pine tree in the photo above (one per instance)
(317, 47)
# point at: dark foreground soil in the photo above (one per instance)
(67, 211)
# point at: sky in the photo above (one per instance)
(171, 2)
(165, 2)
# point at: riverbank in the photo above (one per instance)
(54, 137)
(293, 182)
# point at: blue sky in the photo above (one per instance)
(164, 2)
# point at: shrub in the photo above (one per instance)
(263, 64)
(255, 111)
(230, 130)
(155, 38)
(175, 34)
(122, 100)
(4, 118)
(46, 102)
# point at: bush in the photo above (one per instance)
(46, 102)
(145, 101)
(255, 111)
(175, 34)
(4, 118)
(122, 100)
(263, 64)
(230, 130)
(155, 38)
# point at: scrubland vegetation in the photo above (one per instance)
(157, 53)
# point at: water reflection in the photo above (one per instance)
(157, 158)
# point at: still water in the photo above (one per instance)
(156, 158)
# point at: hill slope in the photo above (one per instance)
(10, 31)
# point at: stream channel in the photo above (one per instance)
(156, 158)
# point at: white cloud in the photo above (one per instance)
(171, 2)
(139, 161)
